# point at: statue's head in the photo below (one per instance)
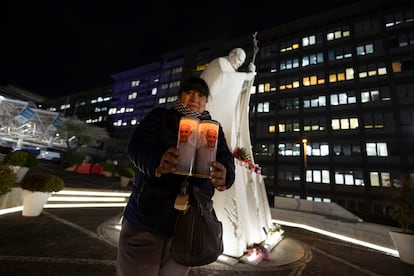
(237, 56)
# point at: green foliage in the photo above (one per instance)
(241, 154)
(7, 178)
(21, 158)
(108, 167)
(402, 201)
(125, 171)
(43, 182)
(71, 157)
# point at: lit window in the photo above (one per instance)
(295, 84)
(335, 124)
(386, 179)
(396, 67)
(339, 179)
(344, 123)
(135, 83)
(382, 71)
(338, 34)
(374, 179)
(341, 76)
(354, 123)
(317, 176)
(260, 88)
(349, 72)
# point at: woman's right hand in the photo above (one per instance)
(168, 162)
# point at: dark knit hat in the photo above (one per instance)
(196, 83)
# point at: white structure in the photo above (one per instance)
(23, 121)
(243, 209)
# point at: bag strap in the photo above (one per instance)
(182, 201)
(184, 187)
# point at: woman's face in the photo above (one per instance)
(194, 100)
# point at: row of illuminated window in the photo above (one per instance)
(343, 98)
(134, 95)
(378, 149)
(101, 109)
(124, 123)
(341, 177)
(309, 198)
(314, 101)
(119, 123)
(82, 103)
(346, 74)
(393, 19)
(371, 120)
(317, 123)
(135, 83)
(96, 100)
(166, 74)
(314, 39)
(170, 85)
(337, 54)
(94, 120)
(169, 99)
(399, 17)
(121, 110)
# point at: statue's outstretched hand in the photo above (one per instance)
(250, 76)
(252, 67)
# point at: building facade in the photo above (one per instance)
(332, 114)
(90, 106)
(332, 117)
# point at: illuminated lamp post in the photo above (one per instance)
(304, 142)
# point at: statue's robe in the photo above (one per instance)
(243, 209)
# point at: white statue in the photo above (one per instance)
(243, 209)
(229, 96)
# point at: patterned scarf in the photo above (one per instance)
(183, 110)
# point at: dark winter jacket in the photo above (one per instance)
(151, 204)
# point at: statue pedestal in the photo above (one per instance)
(244, 211)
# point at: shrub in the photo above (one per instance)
(21, 158)
(7, 178)
(108, 167)
(42, 182)
(125, 171)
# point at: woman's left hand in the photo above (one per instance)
(218, 176)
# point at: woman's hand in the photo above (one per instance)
(168, 162)
(218, 176)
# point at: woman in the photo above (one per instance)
(149, 216)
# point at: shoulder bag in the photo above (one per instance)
(198, 234)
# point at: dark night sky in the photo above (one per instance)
(55, 48)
